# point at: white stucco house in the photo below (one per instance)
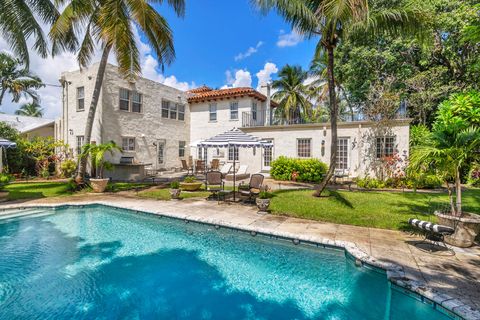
(157, 126)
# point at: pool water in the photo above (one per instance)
(101, 262)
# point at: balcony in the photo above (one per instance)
(255, 119)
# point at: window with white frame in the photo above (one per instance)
(342, 154)
(304, 148)
(165, 108)
(212, 110)
(232, 154)
(81, 98)
(173, 111)
(254, 110)
(181, 112)
(128, 144)
(181, 149)
(200, 153)
(234, 110)
(80, 144)
(124, 99)
(385, 146)
(136, 102)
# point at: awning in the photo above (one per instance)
(4, 143)
(234, 138)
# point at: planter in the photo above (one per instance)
(175, 193)
(466, 228)
(3, 196)
(262, 205)
(99, 185)
(190, 186)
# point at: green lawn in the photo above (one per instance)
(35, 190)
(369, 209)
(164, 194)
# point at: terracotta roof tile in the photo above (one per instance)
(205, 93)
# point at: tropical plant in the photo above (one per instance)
(68, 167)
(334, 20)
(471, 32)
(190, 179)
(32, 109)
(174, 185)
(22, 19)
(111, 24)
(291, 94)
(97, 153)
(15, 79)
(265, 192)
(42, 151)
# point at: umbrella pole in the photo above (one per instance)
(1, 159)
(234, 175)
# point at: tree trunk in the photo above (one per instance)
(458, 189)
(1, 96)
(91, 112)
(333, 121)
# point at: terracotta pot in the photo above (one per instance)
(262, 205)
(175, 193)
(3, 196)
(99, 185)
(190, 186)
(466, 228)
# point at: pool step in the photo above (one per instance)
(14, 213)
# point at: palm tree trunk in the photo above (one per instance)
(82, 167)
(333, 121)
(1, 95)
(458, 189)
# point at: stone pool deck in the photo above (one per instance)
(457, 276)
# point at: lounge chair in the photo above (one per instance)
(435, 233)
(241, 174)
(226, 169)
(214, 182)
(253, 188)
(186, 167)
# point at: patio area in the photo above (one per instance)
(455, 275)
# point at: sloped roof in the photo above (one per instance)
(205, 93)
(25, 124)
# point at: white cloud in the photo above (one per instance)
(249, 52)
(242, 78)
(265, 75)
(49, 71)
(289, 39)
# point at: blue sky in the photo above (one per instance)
(218, 43)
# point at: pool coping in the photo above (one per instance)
(444, 303)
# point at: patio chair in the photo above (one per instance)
(435, 233)
(226, 169)
(253, 188)
(215, 164)
(241, 174)
(186, 167)
(199, 166)
(214, 182)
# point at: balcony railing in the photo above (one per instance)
(256, 119)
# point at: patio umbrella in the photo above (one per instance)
(234, 138)
(5, 144)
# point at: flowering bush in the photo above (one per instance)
(474, 176)
(306, 170)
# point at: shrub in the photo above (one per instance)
(68, 168)
(190, 179)
(305, 170)
(474, 176)
(175, 185)
(5, 179)
(370, 183)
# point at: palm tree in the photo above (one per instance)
(111, 24)
(18, 23)
(448, 153)
(333, 20)
(32, 109)
(17, 80)
(97, 154)
(291, 94)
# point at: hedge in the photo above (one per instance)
(306, 170)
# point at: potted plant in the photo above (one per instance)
(263, 199)
(175, 190)
(5, 179)
(97, 155)
(190, 183)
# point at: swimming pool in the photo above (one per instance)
(103, 262)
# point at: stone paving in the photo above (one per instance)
(457, 275)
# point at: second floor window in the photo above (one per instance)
(234, 111)
(212, 109)
(304, 148)
(130, 100)
(128, 144)
(173, 111)
(181, 112)
(254, 110)
(165, 108)
(385, 146)
(81, 98)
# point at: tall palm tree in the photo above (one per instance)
(16, 80)
(333, 20)
(20, 20)
(110, 23)
(291, 94)
(32, 109)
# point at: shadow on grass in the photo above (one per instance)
(340, 198)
